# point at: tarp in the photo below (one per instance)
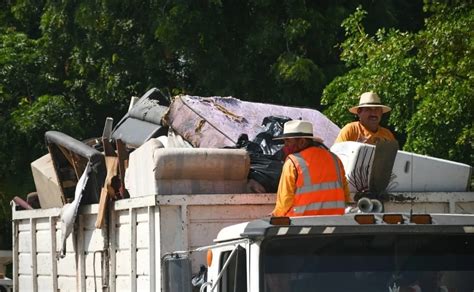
(216, 122)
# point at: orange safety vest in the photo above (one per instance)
(319, 186)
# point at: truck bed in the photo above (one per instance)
(139, 232)
(125, 255)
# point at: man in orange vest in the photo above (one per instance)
(367, 129)
(313, 180)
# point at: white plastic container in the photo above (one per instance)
(411, 172)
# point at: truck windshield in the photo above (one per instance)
(382, 262)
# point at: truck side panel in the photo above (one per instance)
(37, 245)
(439, 202)
(133, 262)
(125, 255)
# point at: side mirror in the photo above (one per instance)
(177, 273)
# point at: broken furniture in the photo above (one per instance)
(46, 182)
(156, 170)
(143, 121)
(70, 157)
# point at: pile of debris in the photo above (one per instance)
(188, 145)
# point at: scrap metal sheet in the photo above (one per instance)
(219, 121)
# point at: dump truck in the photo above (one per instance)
(189, 223)
(158, 240)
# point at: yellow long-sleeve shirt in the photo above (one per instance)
(287, 188)
(355, 131)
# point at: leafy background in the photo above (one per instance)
(66, 65)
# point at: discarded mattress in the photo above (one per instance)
(411, 172)
(143, 121)
(215, 122)
(154, 170)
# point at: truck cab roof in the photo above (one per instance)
(349, 224)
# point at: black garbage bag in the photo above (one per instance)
(266, 155)
(250, 146)
(266, 170)
(273, 128)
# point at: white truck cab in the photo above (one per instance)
(354, 252)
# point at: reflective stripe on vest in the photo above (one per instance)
(308, 187)
(319, 206)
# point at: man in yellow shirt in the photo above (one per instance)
(367, 129)
(313, 180)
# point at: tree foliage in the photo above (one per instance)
(425, 76)
(66, 65)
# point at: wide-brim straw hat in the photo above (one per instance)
(370, 99)
(298, 129)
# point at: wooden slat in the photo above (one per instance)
(77, 162)
(104, 198)
(123, 164)
(67, 154)
(107, 190)
(108, 148)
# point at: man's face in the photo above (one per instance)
(293, 145)
(370, 117)
(291, 142)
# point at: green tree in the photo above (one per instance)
(443, 124)
(272, 51)
(66, 65)
(426, 77)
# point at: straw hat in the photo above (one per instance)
(298, 129)
(370, 99)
